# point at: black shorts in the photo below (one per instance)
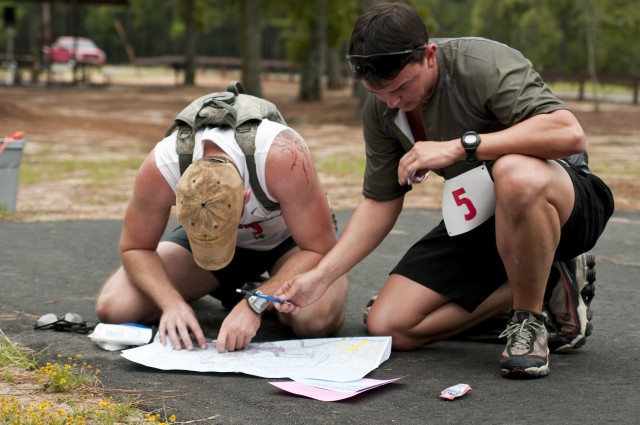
(467, 268)
(246, 266)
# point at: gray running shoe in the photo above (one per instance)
(526, 354)
(568, 307)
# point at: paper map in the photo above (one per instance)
(328, 390)
(331, 359)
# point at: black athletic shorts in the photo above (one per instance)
(246, 266)
(467, 268)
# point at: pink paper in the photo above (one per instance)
(328, 395)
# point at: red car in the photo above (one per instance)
(86, 51)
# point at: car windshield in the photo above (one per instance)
(69, 44)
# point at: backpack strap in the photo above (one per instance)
(220, 109)
(236, 88)
(215, 108)
(246, 139)
(185, 145)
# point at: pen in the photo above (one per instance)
(266, 297)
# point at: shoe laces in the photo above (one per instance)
(521, 333)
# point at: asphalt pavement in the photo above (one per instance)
(58, 267)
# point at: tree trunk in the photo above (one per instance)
(190, 42)
(334, 69)
(358, 89)
(592, 23)
(314, 65)
(251, 46)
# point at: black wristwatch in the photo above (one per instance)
(259, 305)
(470, 142)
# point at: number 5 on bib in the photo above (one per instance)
(468, 200)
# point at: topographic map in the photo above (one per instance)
(331, 359)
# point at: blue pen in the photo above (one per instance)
(266, 297)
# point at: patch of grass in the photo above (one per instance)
(94, 173)
(5, 212)
(589, 87)
(342, 166)
(63, 378)
(612, 167)
(79, 400)
(15, 356)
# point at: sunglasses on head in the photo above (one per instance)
(384, 65)
(71, 322)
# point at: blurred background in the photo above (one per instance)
(580, 41)
(92, 85)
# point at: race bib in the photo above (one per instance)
(468, 200)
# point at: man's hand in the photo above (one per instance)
(300, 291)
(425, 156)
(238, 328)
(180, 323)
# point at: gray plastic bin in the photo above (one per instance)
(10, 160)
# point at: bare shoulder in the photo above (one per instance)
(289, 143)
(150, 187)
(289, 165)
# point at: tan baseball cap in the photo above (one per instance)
(209, 203)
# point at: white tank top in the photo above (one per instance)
(259, 229)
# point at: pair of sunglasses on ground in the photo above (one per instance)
(384, 65)
(70, 322)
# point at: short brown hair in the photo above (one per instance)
(388, 27)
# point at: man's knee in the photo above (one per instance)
(119, 302)
(327, 315)
(104, 309)
(519, 181)
(105, 301)
(379, 324)
(318, 326)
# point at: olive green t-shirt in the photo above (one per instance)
(482, 85)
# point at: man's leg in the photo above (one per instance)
(534, 198)
(119, 301)
(415, 315)
(569, 303)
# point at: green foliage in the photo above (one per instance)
(74, 373)
(13, 355)
(552, 33)
(342, 166)
(95, 173)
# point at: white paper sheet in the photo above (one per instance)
(331, 359)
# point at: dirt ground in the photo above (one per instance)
(83, 126)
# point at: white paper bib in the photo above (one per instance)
(468, 200)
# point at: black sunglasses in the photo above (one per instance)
(384, 65)
(71, 322)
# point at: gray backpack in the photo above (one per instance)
(233, 108)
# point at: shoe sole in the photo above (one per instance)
(587, 290)
(516, 371)
(528, 373)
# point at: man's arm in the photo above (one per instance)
(553, 135)
(145, 221)
(367, 228)
(292, 179)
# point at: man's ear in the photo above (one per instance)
(247, 194)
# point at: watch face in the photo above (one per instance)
(258, 304)
(470, 139)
